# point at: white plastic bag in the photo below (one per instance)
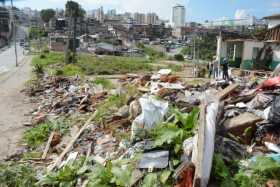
(153, 112)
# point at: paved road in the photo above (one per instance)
(13, 107)
(8, 59)
(7, 54)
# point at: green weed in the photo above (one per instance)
(17, 175)
(40, 134)
(107, 84)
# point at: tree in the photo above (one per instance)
(47, 15)
(73, 11)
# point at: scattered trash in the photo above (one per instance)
(150, 123)
(154, 160)
(153, 112)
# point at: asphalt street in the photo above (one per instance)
(7, 54)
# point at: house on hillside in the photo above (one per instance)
(272, 42)
(241, 50)
(273, 20)
(251, 52)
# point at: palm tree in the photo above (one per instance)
(73, 11)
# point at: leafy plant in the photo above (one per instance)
(175, 133)
(100, 176)
(122, 175)
(66, 176)
(258, 173)
(17, 175)
(151, 180)
(114, 174)
(221, 172)
(38, 69)
(169, 134)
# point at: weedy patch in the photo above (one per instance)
(38, 135)
(66, 176)
(258, 173)
(49, 59)
(17, 175)
(106, 83)
(111, 104)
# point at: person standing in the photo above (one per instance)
(225, 69)
(210, 69)
(215, 68)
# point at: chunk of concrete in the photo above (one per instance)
(238, 124)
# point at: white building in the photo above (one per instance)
(152, 18)
(99, 14)
(139, 18)
(273, 20)
(179, 16)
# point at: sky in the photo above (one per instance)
(197, 10)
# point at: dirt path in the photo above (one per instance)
(13, 107)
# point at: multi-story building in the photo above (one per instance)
(111, 14)
(139, 18)
(5, 26)
(179, 16)
(99, 14)
(152, 18)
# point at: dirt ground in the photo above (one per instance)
(13, 107)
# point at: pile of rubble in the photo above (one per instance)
(166, 133)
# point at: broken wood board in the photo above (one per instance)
(46, 150)
(227, 91)
(205, 142)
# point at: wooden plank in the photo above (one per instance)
(227, 91)
(200, 145)
(46, 150)
(71, 143)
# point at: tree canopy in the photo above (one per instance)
(73, 9)
(47, 15)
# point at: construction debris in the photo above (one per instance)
(157, 128)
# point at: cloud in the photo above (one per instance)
(242, 14)
(275, 4)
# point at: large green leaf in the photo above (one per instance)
(151, 180)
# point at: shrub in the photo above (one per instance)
(179, 57)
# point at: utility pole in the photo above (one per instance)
(194, 52)
(14, 31)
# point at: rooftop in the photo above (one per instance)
(275, 16)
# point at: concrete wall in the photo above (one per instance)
(221, 48)
(248, 49)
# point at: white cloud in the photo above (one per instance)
(275, 4)
(242, 14)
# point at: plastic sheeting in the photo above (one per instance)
(153, 112)
(274, 114)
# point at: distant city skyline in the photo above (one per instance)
(196, 10)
